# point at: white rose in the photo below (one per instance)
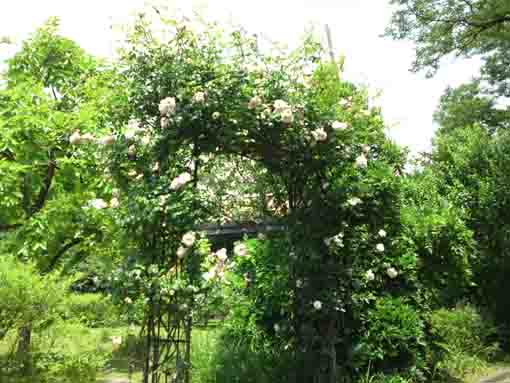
(320, 134)
(382, 233)
(254, 102)
(181, 252)
(87, 138)
(280, 106)
(98, 203)
(354, 201)
(344, 102)
(146, 139)
(199, 98)
(107, 140)
(164, 122)
(240, 250)
(114, 203)
(337, 125)
(392, 272)
(287, 116)
(361, 161)
(180, 181)
(317, 305)
(75, 138)
(222, 254)
(379, 247)
(167, 106)
(189, 239)
(369, 275)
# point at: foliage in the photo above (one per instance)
(26, 298)
(93, 310)
(51, 88)
(463, 340)
(463, 27)
(392, 337)
(469, 105)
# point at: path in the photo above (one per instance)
(502, 376)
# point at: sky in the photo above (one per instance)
(408, 100)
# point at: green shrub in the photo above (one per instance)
(461, 337)
(392, 337)
(93, 310)
(26, 297)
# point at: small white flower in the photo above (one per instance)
(276, 327)
(254, 102)
(107, 140)
(337, 125)
(392, 272)
(222, 254)
(131, 150)
(164, 122)
(87, 138)
(128, 300)
(172, 292)
(167, 106)
(354, 201)
(287, 116)
(114, 203)
(116, 340)
(189, 239)
(280, 106)
(132, 128)
(216, 115)
(319, 134)
(240, 250)
(75, 138)
(361, 161)
(379, 247)
(181, 252)
(180, 181)
(382, 233)
(155, 167)
(98, 203)
(344, 102)
(146, 139)
(365, 148)
(327, 241)
(317, 305)
(132, 173)
(199, 98)
(369, 275)
(116, 193)
(299, 283)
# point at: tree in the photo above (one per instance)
(467, 106)
(462, 27)
(50, 90)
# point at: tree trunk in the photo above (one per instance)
(23, 349)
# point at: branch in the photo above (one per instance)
(8, 227)
(43, 194)
(62, 251)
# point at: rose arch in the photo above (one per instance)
(328, 165)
